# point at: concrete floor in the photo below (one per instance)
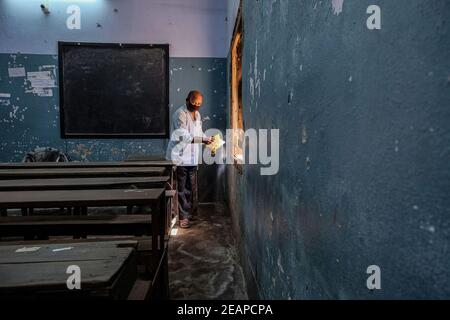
(203, 262)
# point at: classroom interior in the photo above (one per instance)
(349, 108)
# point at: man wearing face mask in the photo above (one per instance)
(184, 149)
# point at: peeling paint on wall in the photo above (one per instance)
(16, 72)
(337, 6)
(254, 80)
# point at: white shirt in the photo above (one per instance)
(183, 129)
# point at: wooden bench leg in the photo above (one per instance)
(175, 187)
(155, 238)
(170, 210)
(164, 278)
(163, 231)
(3, 213)
(159, 216)
(76, 212)
(168, 214)
(84, 212)
(27, 212)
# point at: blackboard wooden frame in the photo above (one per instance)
(64, 134)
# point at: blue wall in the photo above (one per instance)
(28, 120)
(364, 123)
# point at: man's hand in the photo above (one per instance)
(208, 140)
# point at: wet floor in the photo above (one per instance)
(203, 262)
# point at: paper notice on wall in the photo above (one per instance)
(16, 72)
(43, 92)
(41, 79)
(4, 99)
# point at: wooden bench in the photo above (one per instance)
(45, 170)
(83, 183)
(80, 172)
(137, 225)
(94, 185)
(157, 159)
(110, 164)
(108, 270)
(153, 258)
(155, 225)
(151, 284)
(157, 287)
(91, 184)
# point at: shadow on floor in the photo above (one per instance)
(203, 262)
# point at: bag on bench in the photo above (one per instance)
(45, 155)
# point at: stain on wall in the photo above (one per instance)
(337, 6)
(364, 174)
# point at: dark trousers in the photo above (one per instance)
(187, 191)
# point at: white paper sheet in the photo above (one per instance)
(41, 79)
(16, 72)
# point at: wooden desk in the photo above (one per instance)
(138, 225)
(143, 161)
(155, 198)
(89, 184)
(112, 164)
(80, 172)
(108, 270)
(143, 158)
(146, 157)
(152, 283)
(80, 198)
(83, 183)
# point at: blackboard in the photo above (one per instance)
(114, 90)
